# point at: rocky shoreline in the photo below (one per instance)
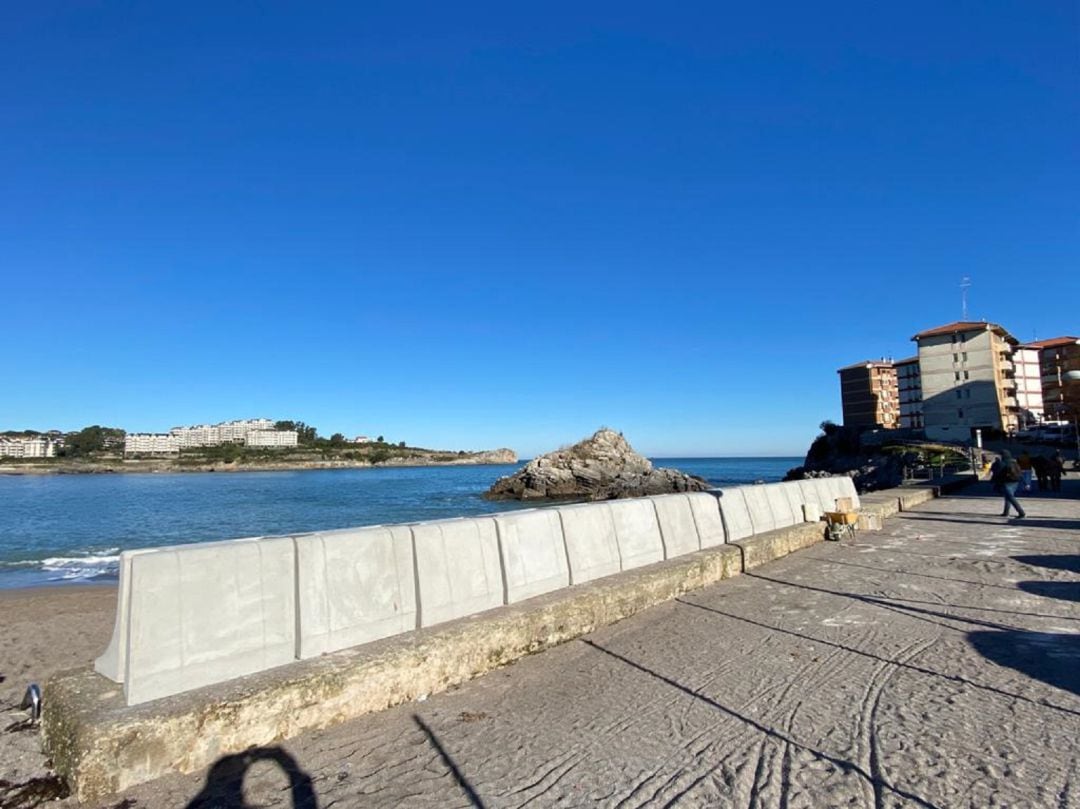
(169, 466)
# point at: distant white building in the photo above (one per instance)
(151, 444)
(27, 447)
(200, 435)
(1029, 393)
(270, 438)
(227, 432)
(361, 439)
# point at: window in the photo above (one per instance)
(956, 357)
(964, 356)
(967, 393)
(960, 412)
(957, 375)
(967, 375)
(959, 393)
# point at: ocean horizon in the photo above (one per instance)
(70, 529)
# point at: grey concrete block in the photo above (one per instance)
(591, 545)
(736, 514)
(354, 586)
(761, 514)
(637, 532)
(533, 553)
(677, 525)
(783, 514)
(793, 495)
(458, 569)
(710, 524)
(205, 613)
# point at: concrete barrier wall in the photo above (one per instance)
(710, 524)
(458, 570)
(202, 614)
(354, 586)
(533, 553)
(195, 615)
(678, 527)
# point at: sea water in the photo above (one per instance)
(71, 528)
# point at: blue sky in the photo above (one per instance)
(477, 225)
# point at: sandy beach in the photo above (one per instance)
(933, 664)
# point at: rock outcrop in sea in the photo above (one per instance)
(603, 467)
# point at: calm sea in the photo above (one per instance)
(71, 528)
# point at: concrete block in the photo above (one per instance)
(677, 525)
(354, 586)
(710, 525)
(783, 515)
(795, 501)
(206, 613)
(113, 663)
(736, 514)
(591, 545)
(819, 491)
(458, 570)
(637, 532)
(533, 553)
(757, 502)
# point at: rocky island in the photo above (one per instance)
(603, 467)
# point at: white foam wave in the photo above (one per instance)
(86, 566)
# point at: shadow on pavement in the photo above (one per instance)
(462, 781)
(1065, 590)
(1050, 657)
(225, 782)
(1063, 561)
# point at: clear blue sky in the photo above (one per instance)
(475, 225)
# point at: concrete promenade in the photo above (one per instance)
(933, 664)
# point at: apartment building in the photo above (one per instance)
(909, 388)
(1029, 392)
(27, 447)
(151, 444)
(227, 432)
(968, 379)
(270, 438)
(1058, 356)
(869, 395)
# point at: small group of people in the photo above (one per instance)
(1047, 471)
(1010, 475)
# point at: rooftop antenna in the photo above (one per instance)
(965, 285)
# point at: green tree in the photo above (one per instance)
(337, 440)
(92, 440)
(379, 440)
(401, 444)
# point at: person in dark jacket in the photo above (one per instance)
(1009, 476)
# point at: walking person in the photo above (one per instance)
(1008, 475)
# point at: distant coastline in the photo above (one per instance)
(172, 465)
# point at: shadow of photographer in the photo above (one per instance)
(224, 787)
